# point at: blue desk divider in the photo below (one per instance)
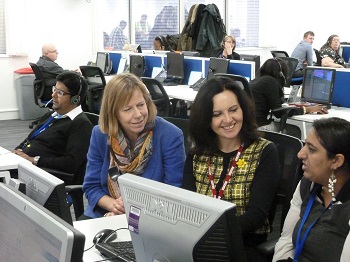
(191, 65)
(245, 69)
(115, 58)
(150, 62)
(341, 91)
(346, 53)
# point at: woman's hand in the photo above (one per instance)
(114, 206)
(319, 109)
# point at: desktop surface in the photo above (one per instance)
(91, 226)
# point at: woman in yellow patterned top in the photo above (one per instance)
(229, 148)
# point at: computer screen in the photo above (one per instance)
(45, 189)
(217, 65)
(137, 65)
(102, 61)
(253, 58)
(318, 85)
(175, 66)
(168, 223)
(30, 234)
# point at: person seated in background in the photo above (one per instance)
(158, 43)
(61, 139)
(317, 223)
(304, 53)
(130, 138)
(330, 53)
(227, 50)
(228, 146)
(49, 68)
(268, 93)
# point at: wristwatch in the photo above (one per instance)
(36, 159)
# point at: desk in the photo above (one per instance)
(183, 92)
(90, 227)
(9, 160)
(341, 112)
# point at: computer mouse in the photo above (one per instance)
(105, 235)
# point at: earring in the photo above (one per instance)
(331, 182)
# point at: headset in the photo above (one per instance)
(280, 73)
(76, 98)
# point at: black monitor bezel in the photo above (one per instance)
(315, 100)
(217, 65)
(252, 58)
(175, 66)
(137, 65)
(106, 58)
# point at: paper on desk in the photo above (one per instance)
(194, 77)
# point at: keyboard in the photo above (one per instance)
(196, 86)
(119, 251)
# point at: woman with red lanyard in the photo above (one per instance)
(230, 161)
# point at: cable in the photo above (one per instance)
(107, 238)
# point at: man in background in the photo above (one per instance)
(49, 68)
(117, 38)
(304, 53)
(61, 139)
(142, 29)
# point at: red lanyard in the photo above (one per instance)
(228, 175)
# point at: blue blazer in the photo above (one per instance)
(165, 165)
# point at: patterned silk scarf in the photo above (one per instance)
(125, 159)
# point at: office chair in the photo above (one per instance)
(159, 96)
(292, 64)
(240, 80)
(288, 148)
(183, 124)
(283, 113)
(38, 91)
(318, 58)
(96, 84)
(279, 53)
(74, 182)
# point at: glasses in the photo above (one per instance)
(54, 51)
(59, 92)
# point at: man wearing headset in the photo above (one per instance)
(61, 139)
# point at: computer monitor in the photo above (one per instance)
(253, 58)
(103, 61)
(168, 223)
(137, 65)
(45, 189)
(318, 85)
(29, 233)
(175, 66)
(217, 65)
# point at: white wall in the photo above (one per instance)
(66, 23)
(69, 25)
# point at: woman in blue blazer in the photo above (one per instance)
(130, 138)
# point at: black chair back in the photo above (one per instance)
(318, 58)
(240, 80)
(290, 165)
(292, 64)
(158, 95)
(39, 85)
(96, 84)
(279, 53)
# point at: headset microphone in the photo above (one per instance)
(48, 102)
(76, 99)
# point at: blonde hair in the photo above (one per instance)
(116, 94)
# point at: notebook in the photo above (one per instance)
(317, 87)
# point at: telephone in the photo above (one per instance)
(161, 76)
(196, 86)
